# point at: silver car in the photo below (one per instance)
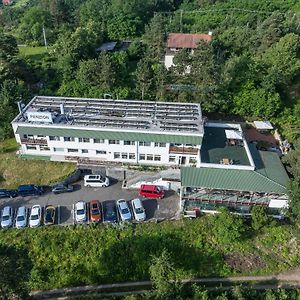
(124, 210)
(6, 217)
(21, 217)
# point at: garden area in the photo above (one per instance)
(15, 171)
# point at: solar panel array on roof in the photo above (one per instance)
(131, 114)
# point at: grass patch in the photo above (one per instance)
(33, 53)
(15, 170)
(20, 3)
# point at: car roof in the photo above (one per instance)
(35, 208)
(6, 209)
(150, 187)
(137, 203)
(21, 210)
(80, 204)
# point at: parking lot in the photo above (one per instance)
(165, 208)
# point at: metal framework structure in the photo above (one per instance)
(125, 114)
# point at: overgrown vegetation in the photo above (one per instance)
(15, 171)
(70, 256)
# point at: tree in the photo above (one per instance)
(31, 27)
(155, 37)
(144, 78)
(259, 217)
(256, 102)
(205, 71)
(227, 228)
(162, 275)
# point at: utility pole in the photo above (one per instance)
(44, 35)
(181, 13)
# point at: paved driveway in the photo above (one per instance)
(155, 209)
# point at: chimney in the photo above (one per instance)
(62, 110)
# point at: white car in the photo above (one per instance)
(35, 216)
(80, 212)
(124, 210)
(96, 181)
(6, 217)
(138, 209)
(21, 217)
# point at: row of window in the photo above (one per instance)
(102, 141)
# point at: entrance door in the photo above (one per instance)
(183, 160)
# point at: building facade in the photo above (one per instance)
(101, 130)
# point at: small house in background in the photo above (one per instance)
(114, 46)
(179, 41)
(7, 2)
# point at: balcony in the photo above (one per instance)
(34, 142)
(183, 150)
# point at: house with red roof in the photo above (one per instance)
(178, 41)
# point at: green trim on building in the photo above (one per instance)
(270, 177)
(111, 135)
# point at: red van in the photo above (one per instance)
(151, 191)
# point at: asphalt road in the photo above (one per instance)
(155, 209)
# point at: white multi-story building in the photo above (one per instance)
(102, 130)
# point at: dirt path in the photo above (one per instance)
(290, 279)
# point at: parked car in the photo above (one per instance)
(109, 212)
(6, 217)
(138, 209)
(30, 190)
(96, 181)
(21, 217)
(49, 215)
(151, 191)
(124, 210)
(35, 216)
(95, 211)
(80, 212)
(62, 188)
(8, 193)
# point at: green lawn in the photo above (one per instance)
(15, 171)
(33, 53)
(20, 3)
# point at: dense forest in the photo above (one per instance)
(250, 69)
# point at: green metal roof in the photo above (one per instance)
(269, 177)
(111, 135)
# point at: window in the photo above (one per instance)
(41, 136)
(58, 149)
(72, 150)
(157, 157)
(84, 151)
(142, 157)
(149, 156)
(146, 144)
(44, 148)
(98, 141)
(54, 138)
(69, 139)
(116, 155)
(192, 160)
(172, 158)
(30, 147)
(159, 144)
(100, 152)
(25, 136)
(131, 155)
(190, 145)
(113, 142)
(127, 143)
(83, 140)
(124, 155)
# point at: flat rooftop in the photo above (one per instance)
(215, 148)
(134, 115)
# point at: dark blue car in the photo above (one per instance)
(30, 190)
(109, 212)
(8, 193)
